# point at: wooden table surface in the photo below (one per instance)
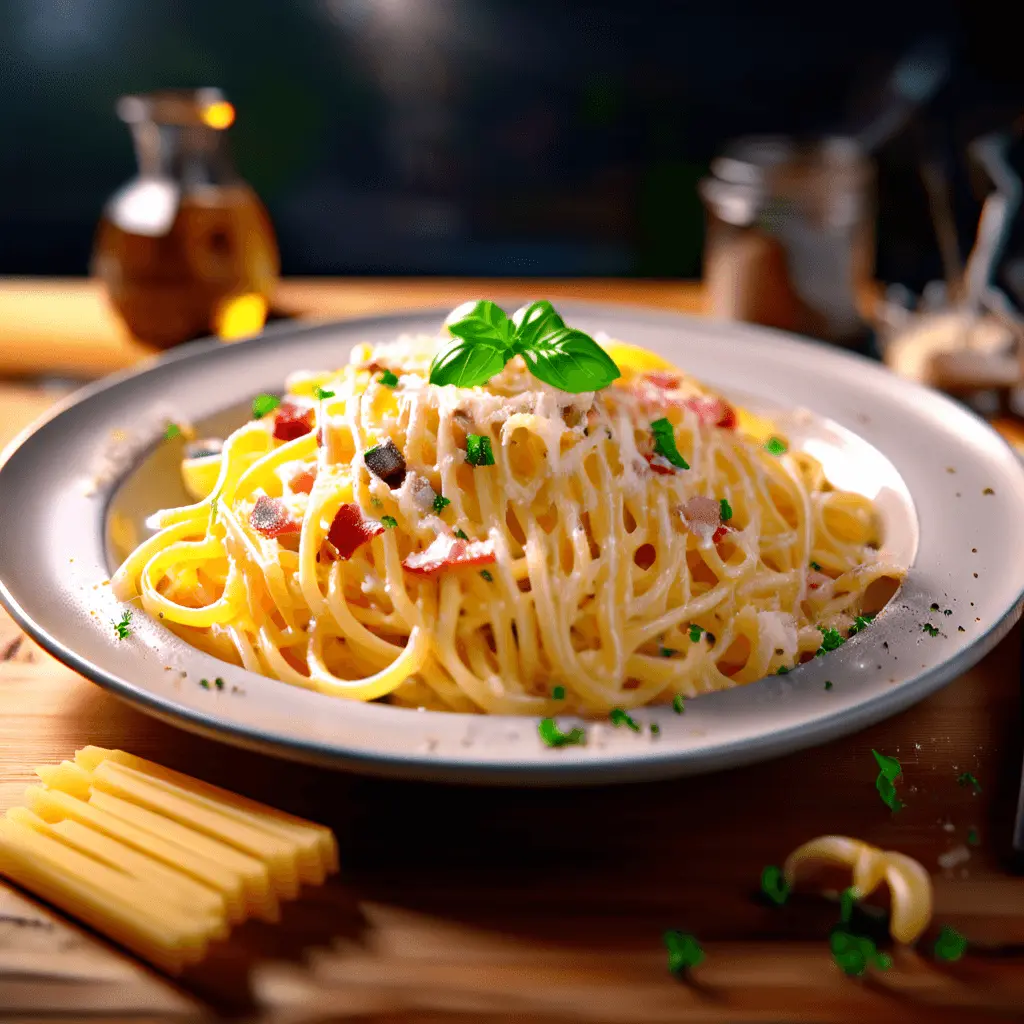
(467, 904)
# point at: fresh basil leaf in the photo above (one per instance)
(482, 322)
(534, 322)
(570, 361)
(466, 363)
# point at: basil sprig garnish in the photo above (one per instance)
(484, 339)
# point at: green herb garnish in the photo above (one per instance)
(554, 737)
(967, 779)
(860, 622)
(775, 446)
(219, 683)
(847, 900)
(950, 945)
(461, 534)
(782, 671)
(665, 443)
(815, 567)
(321, 394)
(854, 953)
(172, 431)
(262, 404)
(376, 502)
(655, 729)
(204, 683)
(123, 627)
(619, 717)
(934, 606)
(558, 693)
(889, 771)
(972, 836)
(666, 652)
(485, 573)
(388, 379)
(388, 522)
(478, 450)
(696, 632)
(484, 339)
(828, 684)
(440, 503)
(726, 510)
(774, 885)
(684, 951)
(830, 640)
(930, 629)
(678, 704)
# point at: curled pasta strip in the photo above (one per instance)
(910, 885)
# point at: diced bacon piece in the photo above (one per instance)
(703, 517)
(302, 482)
(270, 518)
(721, 533)
(446, 552)
(713, 412)
(351, 530)
(292, 421)
(661, 379)
(660, 464)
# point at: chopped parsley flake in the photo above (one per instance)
(665, 443)
(947, 611)
(683, 951)
(853, 953)
(830, 640)
(554, 737)
(828, 684)
(219, 683)
(930, 629)
(173, 430)
(860, 622)
(123, 628)
(461, 534)
(376, 502)
(321, 394)
(972, 837)
(774, 885)
(619, 717)
(815, 567)
(478, 450)
(655, 729)
(847, 898)
(889, 771)
(204, 683)
(666, 652)
(696, 632)
(950, 945)
(783, 671)
(726, 510)
(775, 446)
(441, 503)
(934, 607)
(558, 693)
(388, 379)
(389, 522)
(678, 704)
(967, 779)
(486, 575)
(262, 404)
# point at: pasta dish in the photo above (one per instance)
(587, 529)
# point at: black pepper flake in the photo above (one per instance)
(386, 462)
(960, 629)
(975, 575)
(935, 607)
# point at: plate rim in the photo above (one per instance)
(609, 766)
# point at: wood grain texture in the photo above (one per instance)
(465, 904)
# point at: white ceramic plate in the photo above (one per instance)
(951, 491)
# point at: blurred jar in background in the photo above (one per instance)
(790, 236)
(185, 249)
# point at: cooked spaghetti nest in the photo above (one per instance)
(581, 571)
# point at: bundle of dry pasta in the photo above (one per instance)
(158, 861)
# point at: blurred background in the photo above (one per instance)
(484, 137)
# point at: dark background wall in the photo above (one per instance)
(477, 136)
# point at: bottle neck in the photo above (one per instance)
(193, 156)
